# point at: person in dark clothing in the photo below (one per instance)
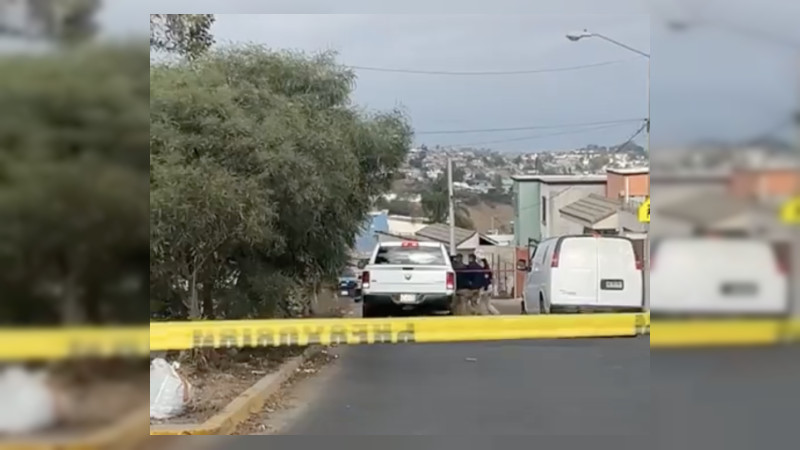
(476, 281)
(485, 299)
(459, 307)
(487, 274)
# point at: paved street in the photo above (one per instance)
(732, 399)
(612, 390)
(486, 388)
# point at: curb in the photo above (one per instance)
(242, 407)
(125, 434)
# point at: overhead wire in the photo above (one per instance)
(488, 72)
(542, 135)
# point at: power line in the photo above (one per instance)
(490, 72)
(535, 127)
(635, 135)
(537, 136)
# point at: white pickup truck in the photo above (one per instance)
(407, 276)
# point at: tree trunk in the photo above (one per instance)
(72, 312)
(208, 300)
(194, 301)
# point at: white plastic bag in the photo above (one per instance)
(169, 392)
(28, 403)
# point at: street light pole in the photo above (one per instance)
(574, 37)
(452, 207)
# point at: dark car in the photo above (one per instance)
(349, 284)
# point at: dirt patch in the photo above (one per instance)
(487, 215)
(257, 423)
(218, 377)
(331, 305)
(92, 395)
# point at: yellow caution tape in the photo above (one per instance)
(269, 333)
(17, 344)
(719, 332)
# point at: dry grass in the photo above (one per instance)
(482, 213)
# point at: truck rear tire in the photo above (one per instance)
(369, 310)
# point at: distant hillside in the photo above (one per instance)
(482, 213)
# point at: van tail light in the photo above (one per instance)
(365, 280)
(451, 281)
(639, 264)
(554, 262)
(781, 260)
(783, 268)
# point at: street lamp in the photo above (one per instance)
(577, 36)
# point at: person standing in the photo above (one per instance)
(476, 280)
(461, 303)
(485, 300)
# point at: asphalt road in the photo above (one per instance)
(731, 399)
(506, 388)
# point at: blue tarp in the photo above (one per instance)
(377, 222)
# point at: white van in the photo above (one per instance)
(578, 273)
(718, 276)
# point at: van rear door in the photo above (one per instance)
(619, 274)
(574, 272)
(718, 276)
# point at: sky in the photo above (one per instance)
(707, 83)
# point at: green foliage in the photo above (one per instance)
(262, 175)
(73, 186)
(436, 206)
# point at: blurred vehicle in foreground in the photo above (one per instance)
(407, 276)
(570, 273)
(718, 276)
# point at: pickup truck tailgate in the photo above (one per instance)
(392, 279)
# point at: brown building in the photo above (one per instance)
(754, 184)
(625, 184)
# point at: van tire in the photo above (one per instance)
(542, 305)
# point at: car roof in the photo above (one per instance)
(416, 243)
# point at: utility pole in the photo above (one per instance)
(452, 206)
(794, 262)
(646, 281)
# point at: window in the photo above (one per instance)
(412, 256)
(544, 210)
(544, 255)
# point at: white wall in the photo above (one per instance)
(405, 226)
(471, 243)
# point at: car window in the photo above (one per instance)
(543, 256)
(415, 256)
